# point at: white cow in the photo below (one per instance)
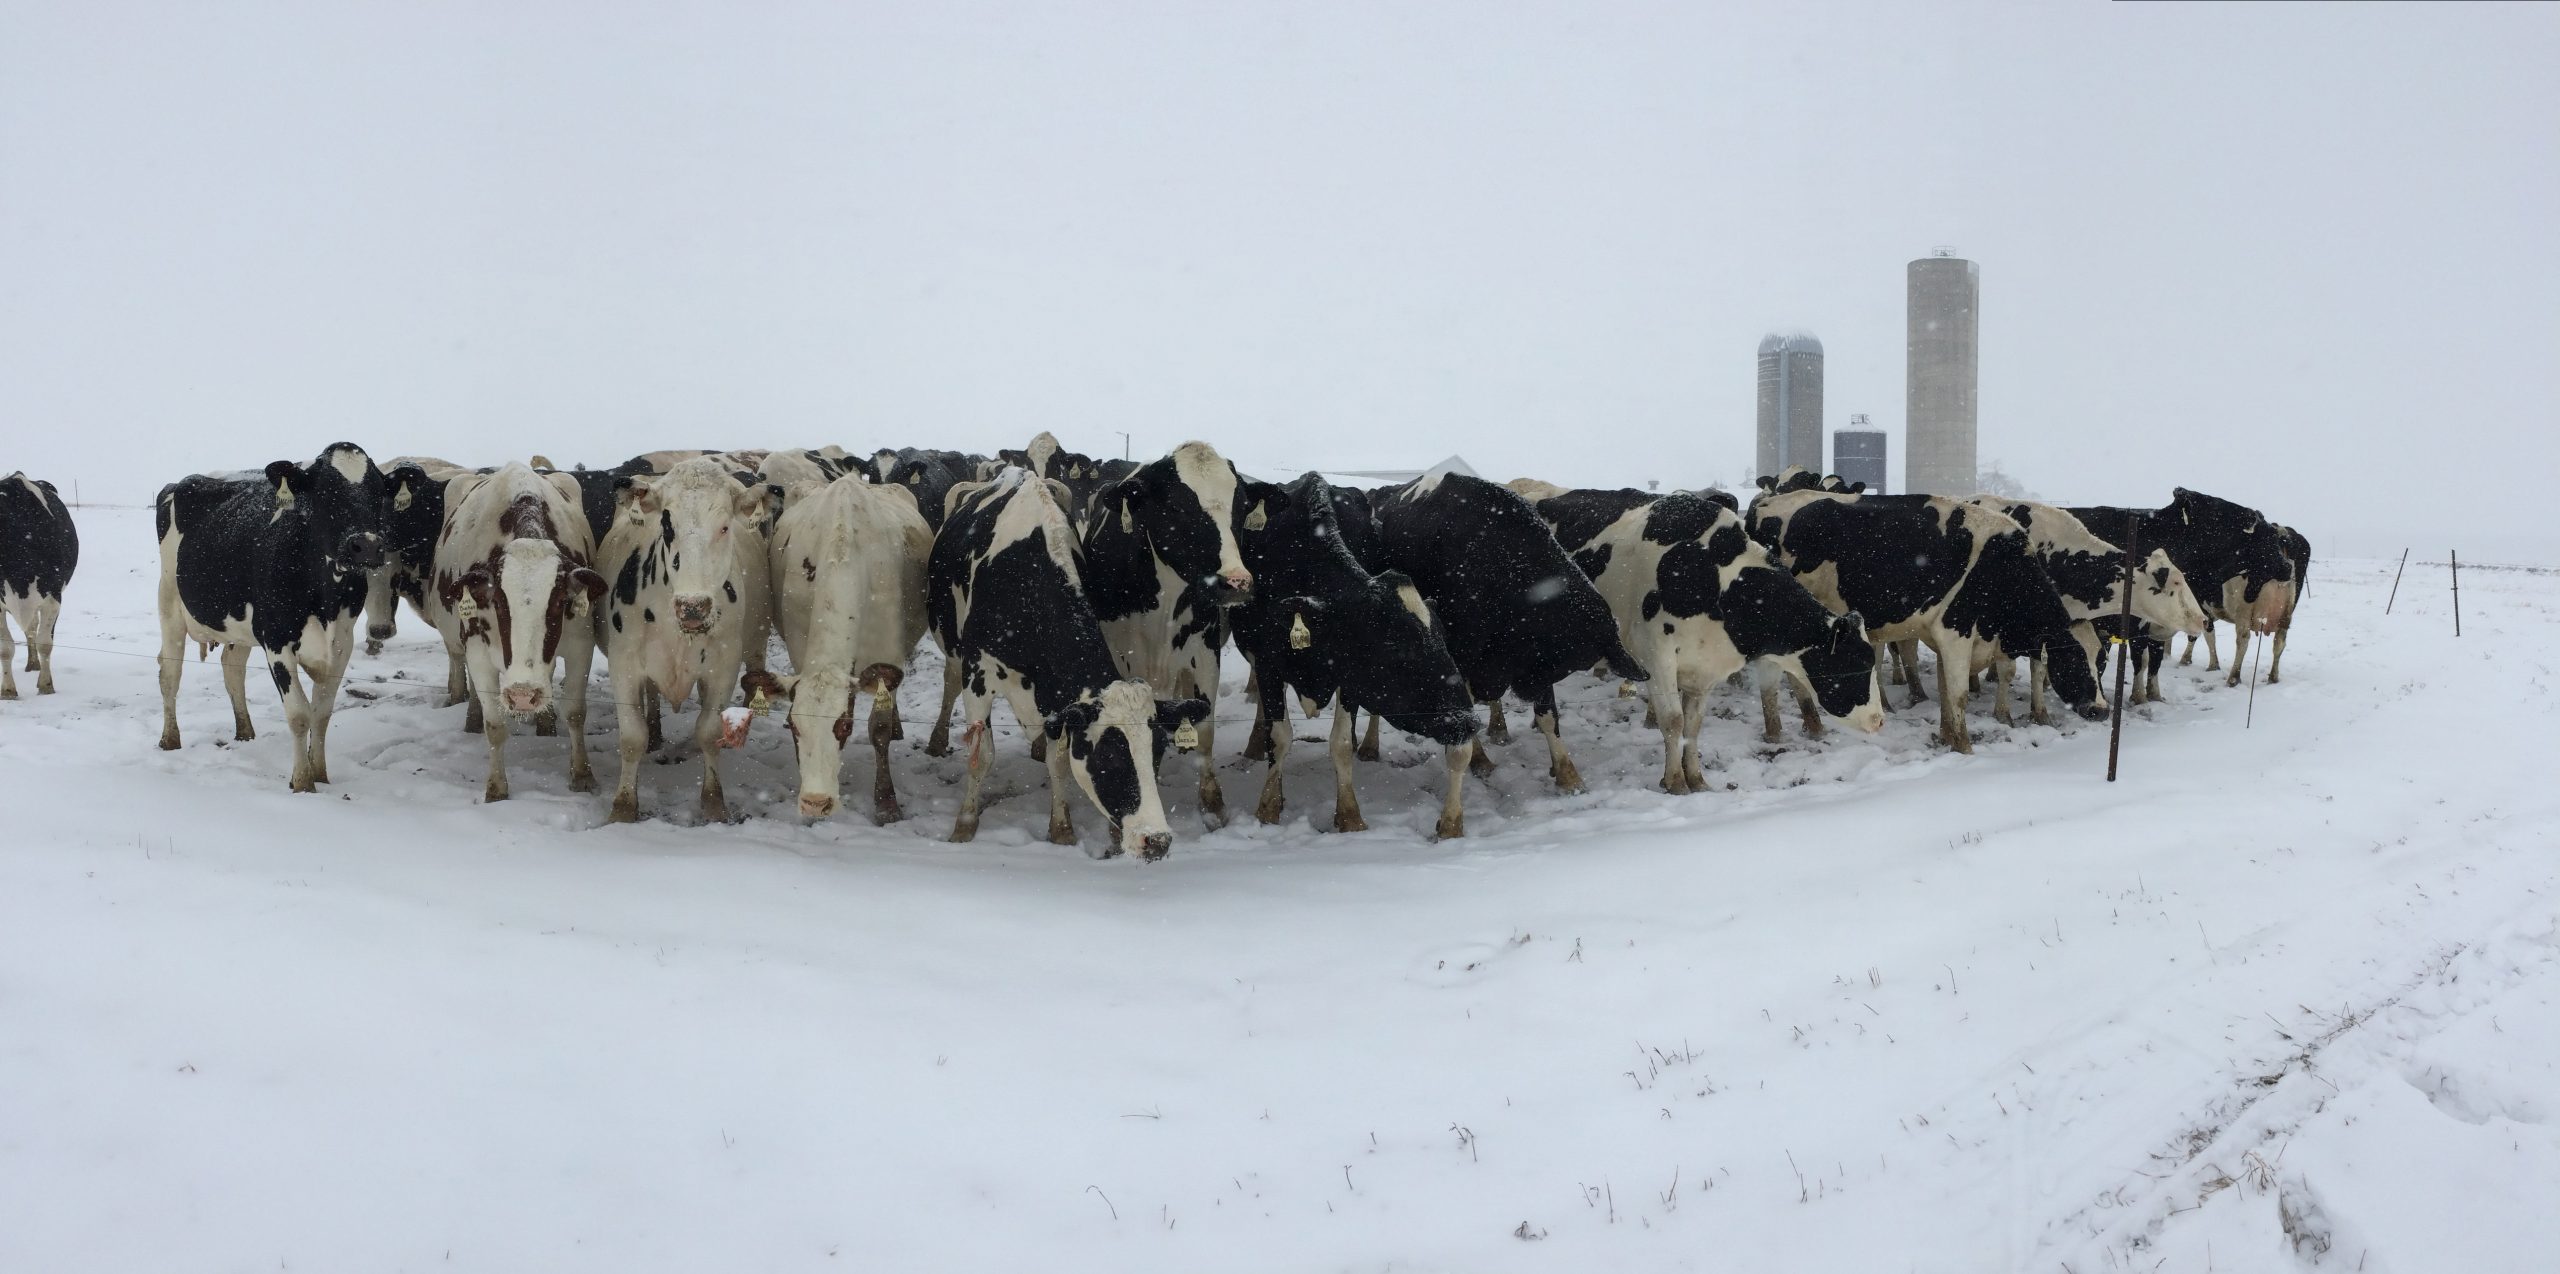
(515, 592)
(848, 567)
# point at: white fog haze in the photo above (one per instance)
(2295, 256)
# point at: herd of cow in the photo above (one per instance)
(1097, 597)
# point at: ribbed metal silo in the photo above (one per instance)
(1942, 374)
(1790, 402)
(1858, 454)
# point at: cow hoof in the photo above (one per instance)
(964, 831)
(1062, 832)
(320, 774)
(887, 812)
(938, 745)
(1676, 785)
(169, 741)
(1268, 811)
(1366, 752)
(1349, 820)
(372, 647)
(715, 809)
(495, 794)
(582, 780)
(1568, 779)
(1480, 764)
(1040, 747)
(46, 687)
(1450, 828)
(8, 692)
(626, 809)
(302, 785)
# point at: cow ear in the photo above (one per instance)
(1074, 718)
(588, 580)
(1173, 714)
(757, 681)
(632, 492)
(475, 583)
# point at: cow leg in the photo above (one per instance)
(235, 680)
(1453, 810)
(2000, 692)
(1665, 710)
(49, 611)
(9, 657)
(1062, 823)
(1559, 762)
(939, 742)
(496, 734)
(297, 718)
(1952, 656)
(1767, 676)
(173, 664)
(964, 827)
(2239, 651)
(546, 723)
(1270, 707)
(578, 658)
(657, 735)
(884, 789)
(474, 717)
(457, 680)
(631, 742)
(2275, 657)
(2036, 710)
(1693, 711)
(1257, 741)
(1368, 750)
(1346, 798)
(1807, 708)
(706, 736)
(1496, 728)
(1908, 652)
(324, 693)
(1479, 762)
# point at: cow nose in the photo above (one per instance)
(1239, 579)
(817, 805)
(365, 551)
(524, 698)
(1155, 846)
(2093, 711)
(381, 632)
(693, 614)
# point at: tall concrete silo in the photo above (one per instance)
(1942, 374)
(1790, 402)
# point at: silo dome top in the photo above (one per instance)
(1790, 343)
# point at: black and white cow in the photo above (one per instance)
(1519, 616)
(848, 567)
(516, 590)
(690, 578)
(1005, 596)
(1950, 574)
(39, 548)
(1082, 475)
(2088, 573)
(1322, 625)
(928, 474)
(278, 562)
(1696, 600)
(411, 522)
(2230, 553)
(1161, 567)
(2297, 553)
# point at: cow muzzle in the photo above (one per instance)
(364, 551)
(1231, 588)
(380, 632)
(2092, 711)
(526, 699)
(693, 614)
(817, 804)
(1155, 845)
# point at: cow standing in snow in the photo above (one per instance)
(39, 548)
(848, 568)
(1161, 567)
(516, 590)
(2297, 554)
(1696, 600)
(2230, 553)
(2088, 574)
(1518, 614)
(687, 559)
(1950, 574)
(278, 562)
(1324, 626)
(1005, 596)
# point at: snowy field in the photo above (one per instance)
(2287, 997)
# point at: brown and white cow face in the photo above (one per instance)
(712, 528)
(520, 601)
(818, 709)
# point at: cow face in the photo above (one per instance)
(520, 601)
(1388, 656)
(340, 497)
(2161, 595)
(1112, 741)
(711, 525)
(1185, 507)
(1841, 668)
(818, 708)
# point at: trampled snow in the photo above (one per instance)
(2287, 996)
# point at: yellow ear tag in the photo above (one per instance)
(1257, 519)
(1185, 737)
(400, 502)
(1299, 637)
(1124, 519)
(466, 608)
(757, 703)
(884, 700)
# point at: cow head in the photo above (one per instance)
(2007, 597)
(2161, 595)
(1185, 507)
(818, 709)
(1112, 741)
(339, 496)
(712, 528)
(1387, 655)
(521, 598)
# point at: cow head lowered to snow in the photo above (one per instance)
(710, 524)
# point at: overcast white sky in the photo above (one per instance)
(2305, 257)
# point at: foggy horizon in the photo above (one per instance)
(2292, 256)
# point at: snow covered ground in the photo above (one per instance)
(2286, 997)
